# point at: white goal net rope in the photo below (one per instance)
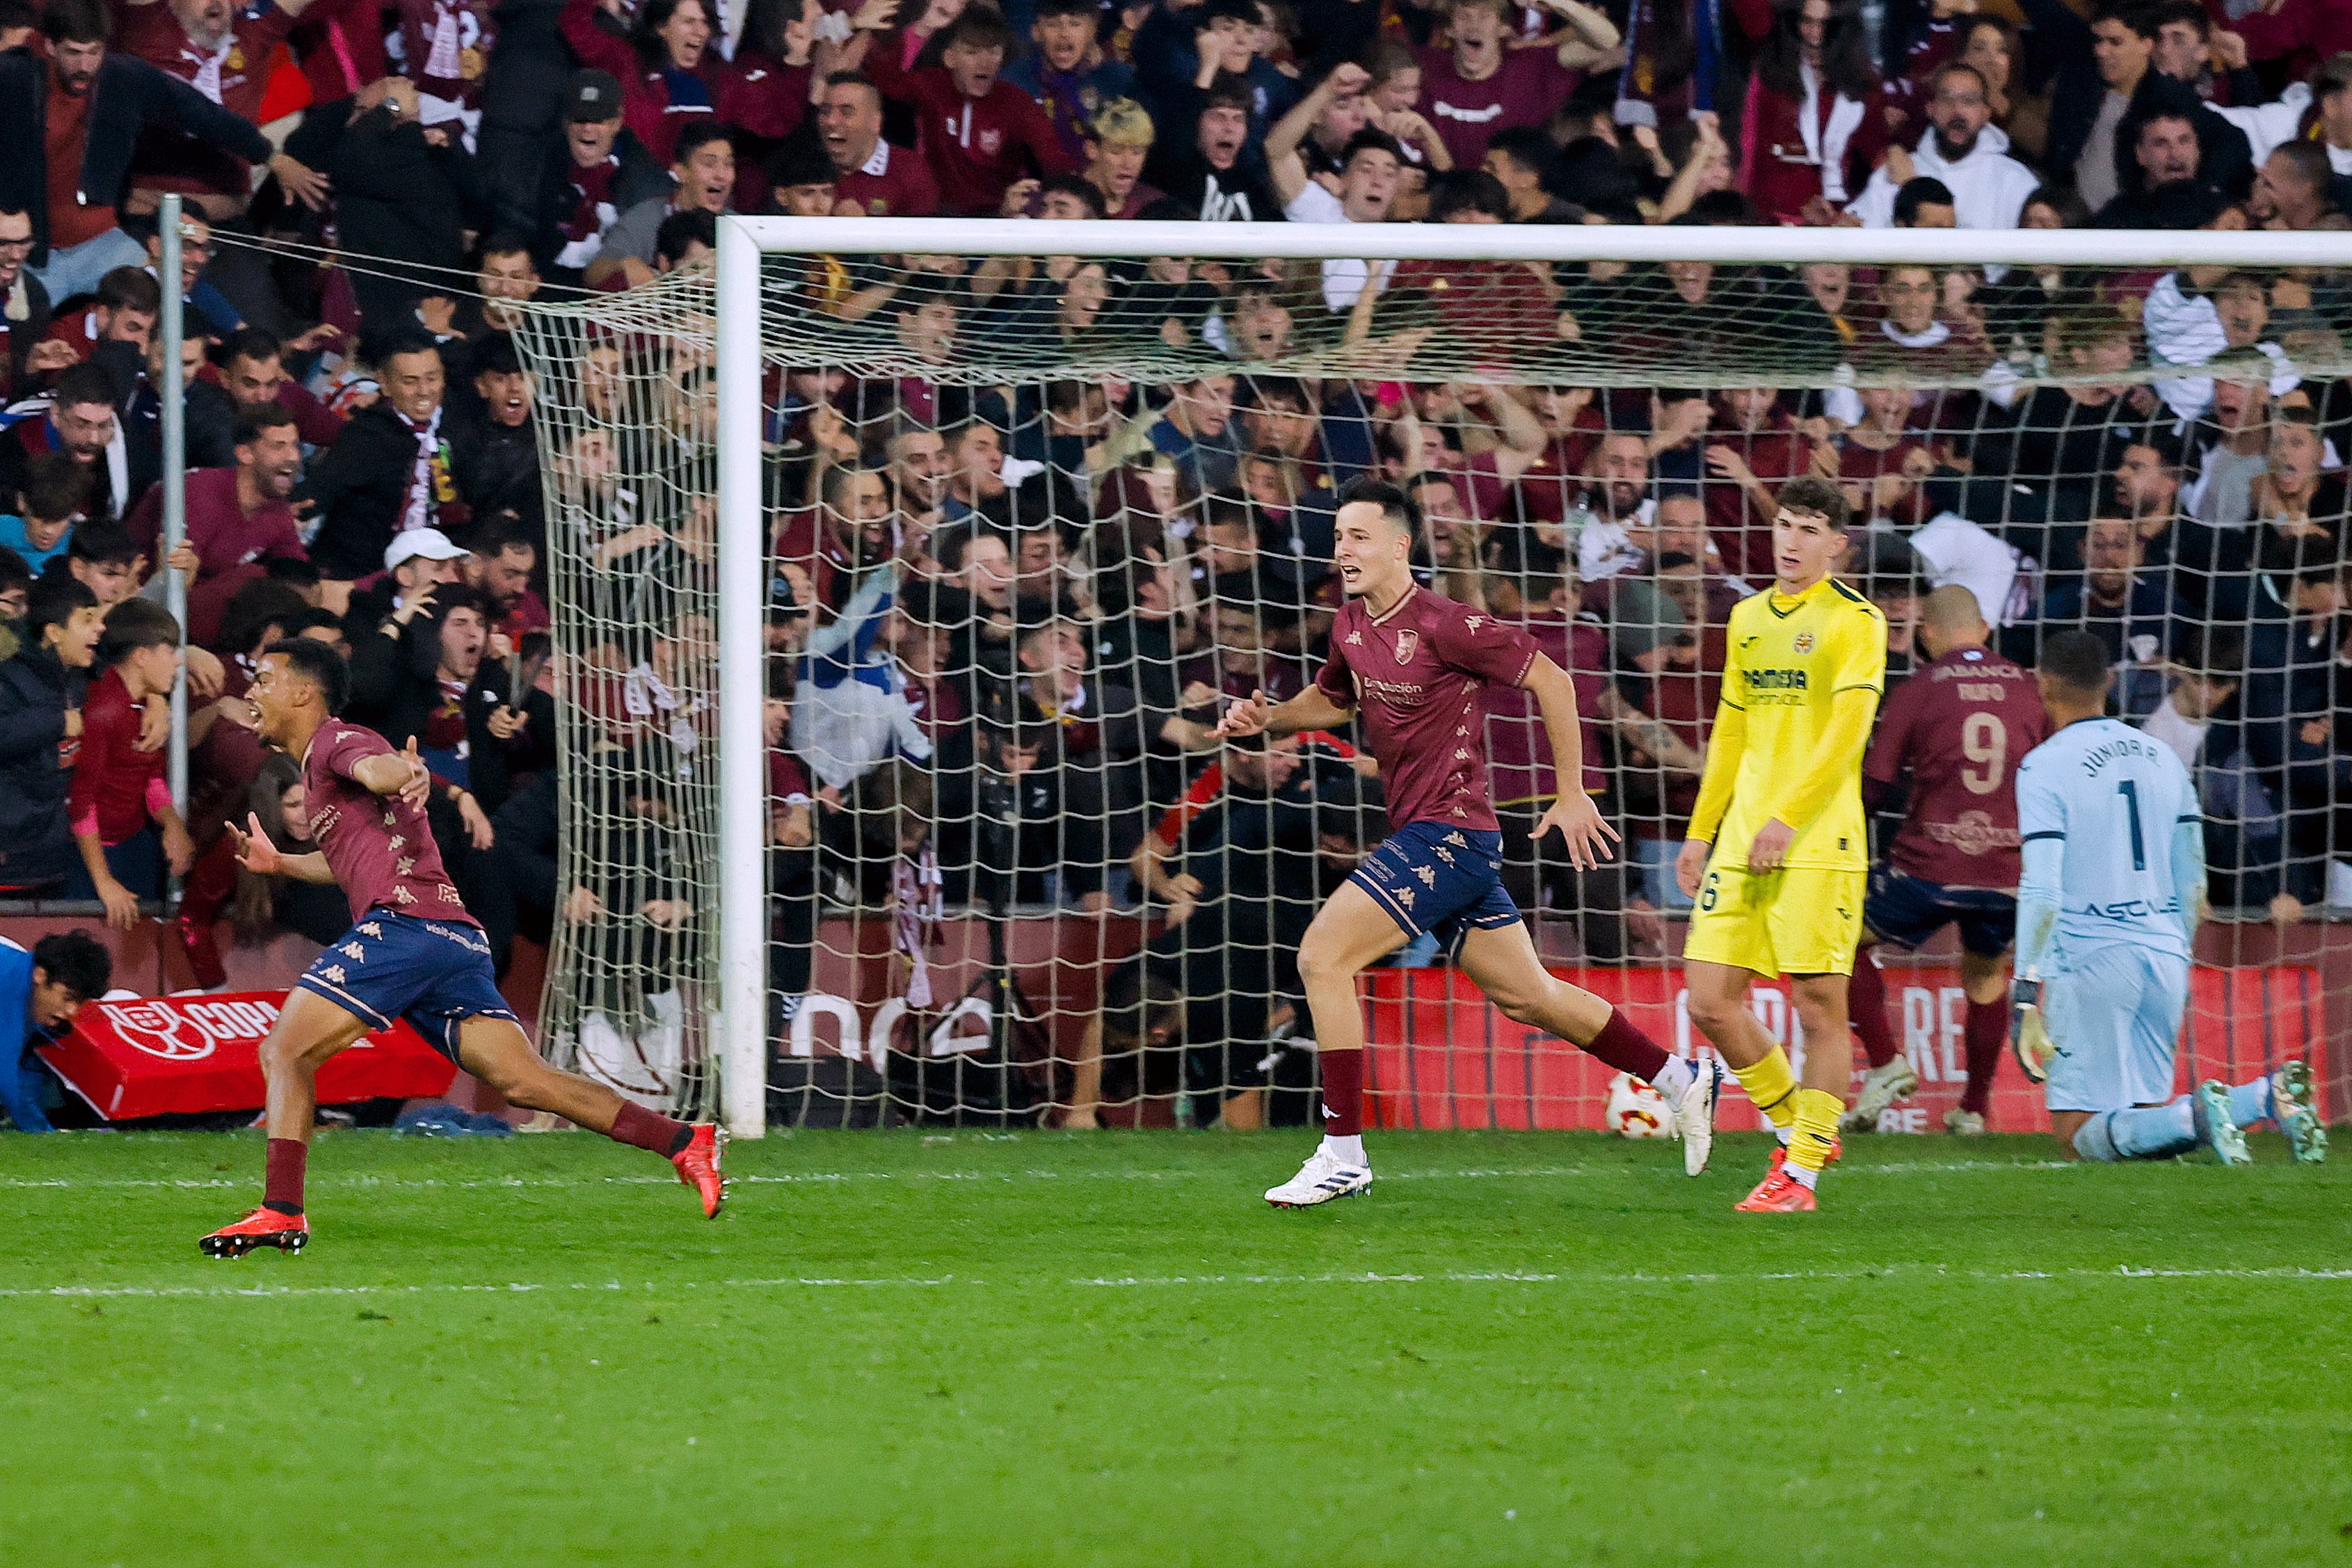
(1030, 521)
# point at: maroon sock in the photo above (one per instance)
(649, 1129)
(1626, 1048)
(281, 1191)
(1983, 1036)
(1865, 1002)
(1343, 1092)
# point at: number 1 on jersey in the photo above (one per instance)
(2130, 790)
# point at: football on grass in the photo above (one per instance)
(1637, 1110)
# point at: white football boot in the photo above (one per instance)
(1324, 1177)
(1695, 1114)
(1881, 1087)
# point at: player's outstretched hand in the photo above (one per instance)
(1591, 840)
(255, 852)
(1769, 847)
(1245, 717)
(1690, 864)
(417, 787)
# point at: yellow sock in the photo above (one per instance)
(1817, 1120)
(1770, 1085)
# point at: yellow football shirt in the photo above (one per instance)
(1789, 658)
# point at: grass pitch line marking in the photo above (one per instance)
(1514, 1276)
(1453, 1277)
(795, 1178)
(515, 1288)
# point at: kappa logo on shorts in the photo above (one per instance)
(1428, 877)
(1404, 897)
(332, 975)
(1458, 841)
(1442, 853)
(353, 952)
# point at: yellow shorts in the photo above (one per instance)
(1800, 920)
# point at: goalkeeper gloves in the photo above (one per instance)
(2028, 1038)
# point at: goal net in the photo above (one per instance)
(888, 655)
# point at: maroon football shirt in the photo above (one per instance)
(1959, 727)
(380, 847)
(1419, 675)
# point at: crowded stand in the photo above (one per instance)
(1035, 521)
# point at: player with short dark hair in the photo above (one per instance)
(413, 951)
(1417, 664)
(2114, 888)
(1955, 729)
(1776, 858)
(40, 992)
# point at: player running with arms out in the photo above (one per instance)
(1416, 665)
(413, 951)
(1956, 729)
(2114, 884)
(1780, 892)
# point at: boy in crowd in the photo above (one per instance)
(118, 790)
(56, 490)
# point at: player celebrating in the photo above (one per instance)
(413, 951)
(2109, 815)
(1417, 663)
(1781, 803)
(1957, 727)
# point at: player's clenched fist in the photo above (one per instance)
(1245, 717)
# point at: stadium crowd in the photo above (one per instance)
(1009, 596)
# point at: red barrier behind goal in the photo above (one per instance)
(1443, 1056)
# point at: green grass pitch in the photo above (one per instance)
(1104, 1349)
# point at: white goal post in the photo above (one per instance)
(739, 1043)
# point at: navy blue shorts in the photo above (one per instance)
(435, 974)
(1908, 910)
(1445, 880)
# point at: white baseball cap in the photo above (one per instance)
(411, 542)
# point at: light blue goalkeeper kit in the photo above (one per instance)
(2114, 870)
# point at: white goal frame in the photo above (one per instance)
(741, 1042)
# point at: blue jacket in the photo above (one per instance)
(22, 1078)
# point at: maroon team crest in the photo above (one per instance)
(1406, 643)
(990, 142)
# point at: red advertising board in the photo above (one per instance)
(1443, 1056)
(163, 1055)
